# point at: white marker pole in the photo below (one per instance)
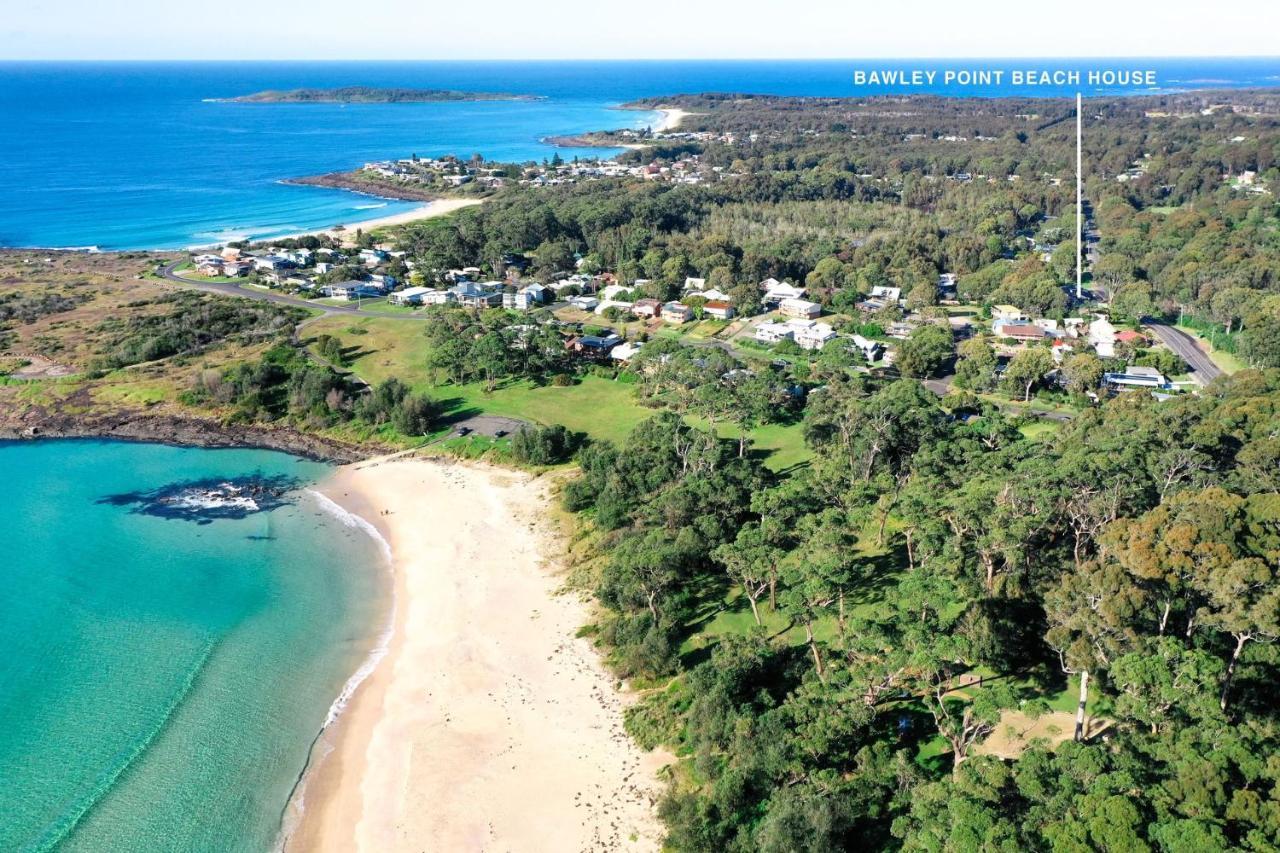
(1079, 209)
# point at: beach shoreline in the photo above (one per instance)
(671, 119)
(346, 230)
(488, 724)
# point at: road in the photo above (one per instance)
(226, 288)
(1203, 370)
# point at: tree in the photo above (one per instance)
(1026, 368)
(976, 364)
(925, 352)
(1091, 613)
(1231, 305)
(1082, 372)
(1260, 340)
(752, 561)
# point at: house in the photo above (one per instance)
(593, 346)
(439, 297)
(1022, 332)
(235, 269)
(527, 297)
(1131, 338)
(583, 303)
(677, 312)
(871, 350)
(473, 295)
(372, 257)
(210, 270)
(409, 296)
(351, 290)
(886, 294)
(646, 308)
(1136, 376)
(712, 295)
(718, 309)
(270, 263)
(771, 333)
(1102, 337)
(606, 304)
(799, 308)
(779, 293)
(624, 351)
(692, 283)
(386, 282)
(812, 335)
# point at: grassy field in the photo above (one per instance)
(602, 408)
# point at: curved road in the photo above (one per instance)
(226, 288)
(1203, 370)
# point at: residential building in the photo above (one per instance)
(676, 312)
(646, 308)
(871, 350)
(1022, 332)
(799, 308)
(409, 296)
(886, 294)
(1136, 376)
(780, 293)
(718, 309)
(813, 335)
(1102, 337)
(625, 350)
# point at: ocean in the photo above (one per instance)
(129, 155)
(169, 654)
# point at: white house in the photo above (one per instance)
(1102, 337)
(771, 333)
(583, 303)
(871, 350)
(812, 335)
(692, 283)
(625, 350)
(781, 292)
(409, 296)
(888, 294)
(800, 308)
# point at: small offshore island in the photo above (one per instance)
(370, 95)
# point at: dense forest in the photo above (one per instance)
(929, 582)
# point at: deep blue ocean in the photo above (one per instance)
(134, 155)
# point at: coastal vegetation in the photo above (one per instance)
(371, 95)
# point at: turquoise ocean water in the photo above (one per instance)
(141, 155)
(162, 679)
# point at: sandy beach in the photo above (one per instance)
(430, 210)
(488, 725)
(671, 118)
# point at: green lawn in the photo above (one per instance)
(603, 408)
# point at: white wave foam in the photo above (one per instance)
(383, 643)
(297, 801)
(369, 206)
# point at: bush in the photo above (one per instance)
(535, 445)
(416, 415)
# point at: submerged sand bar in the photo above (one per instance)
(489, 725)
